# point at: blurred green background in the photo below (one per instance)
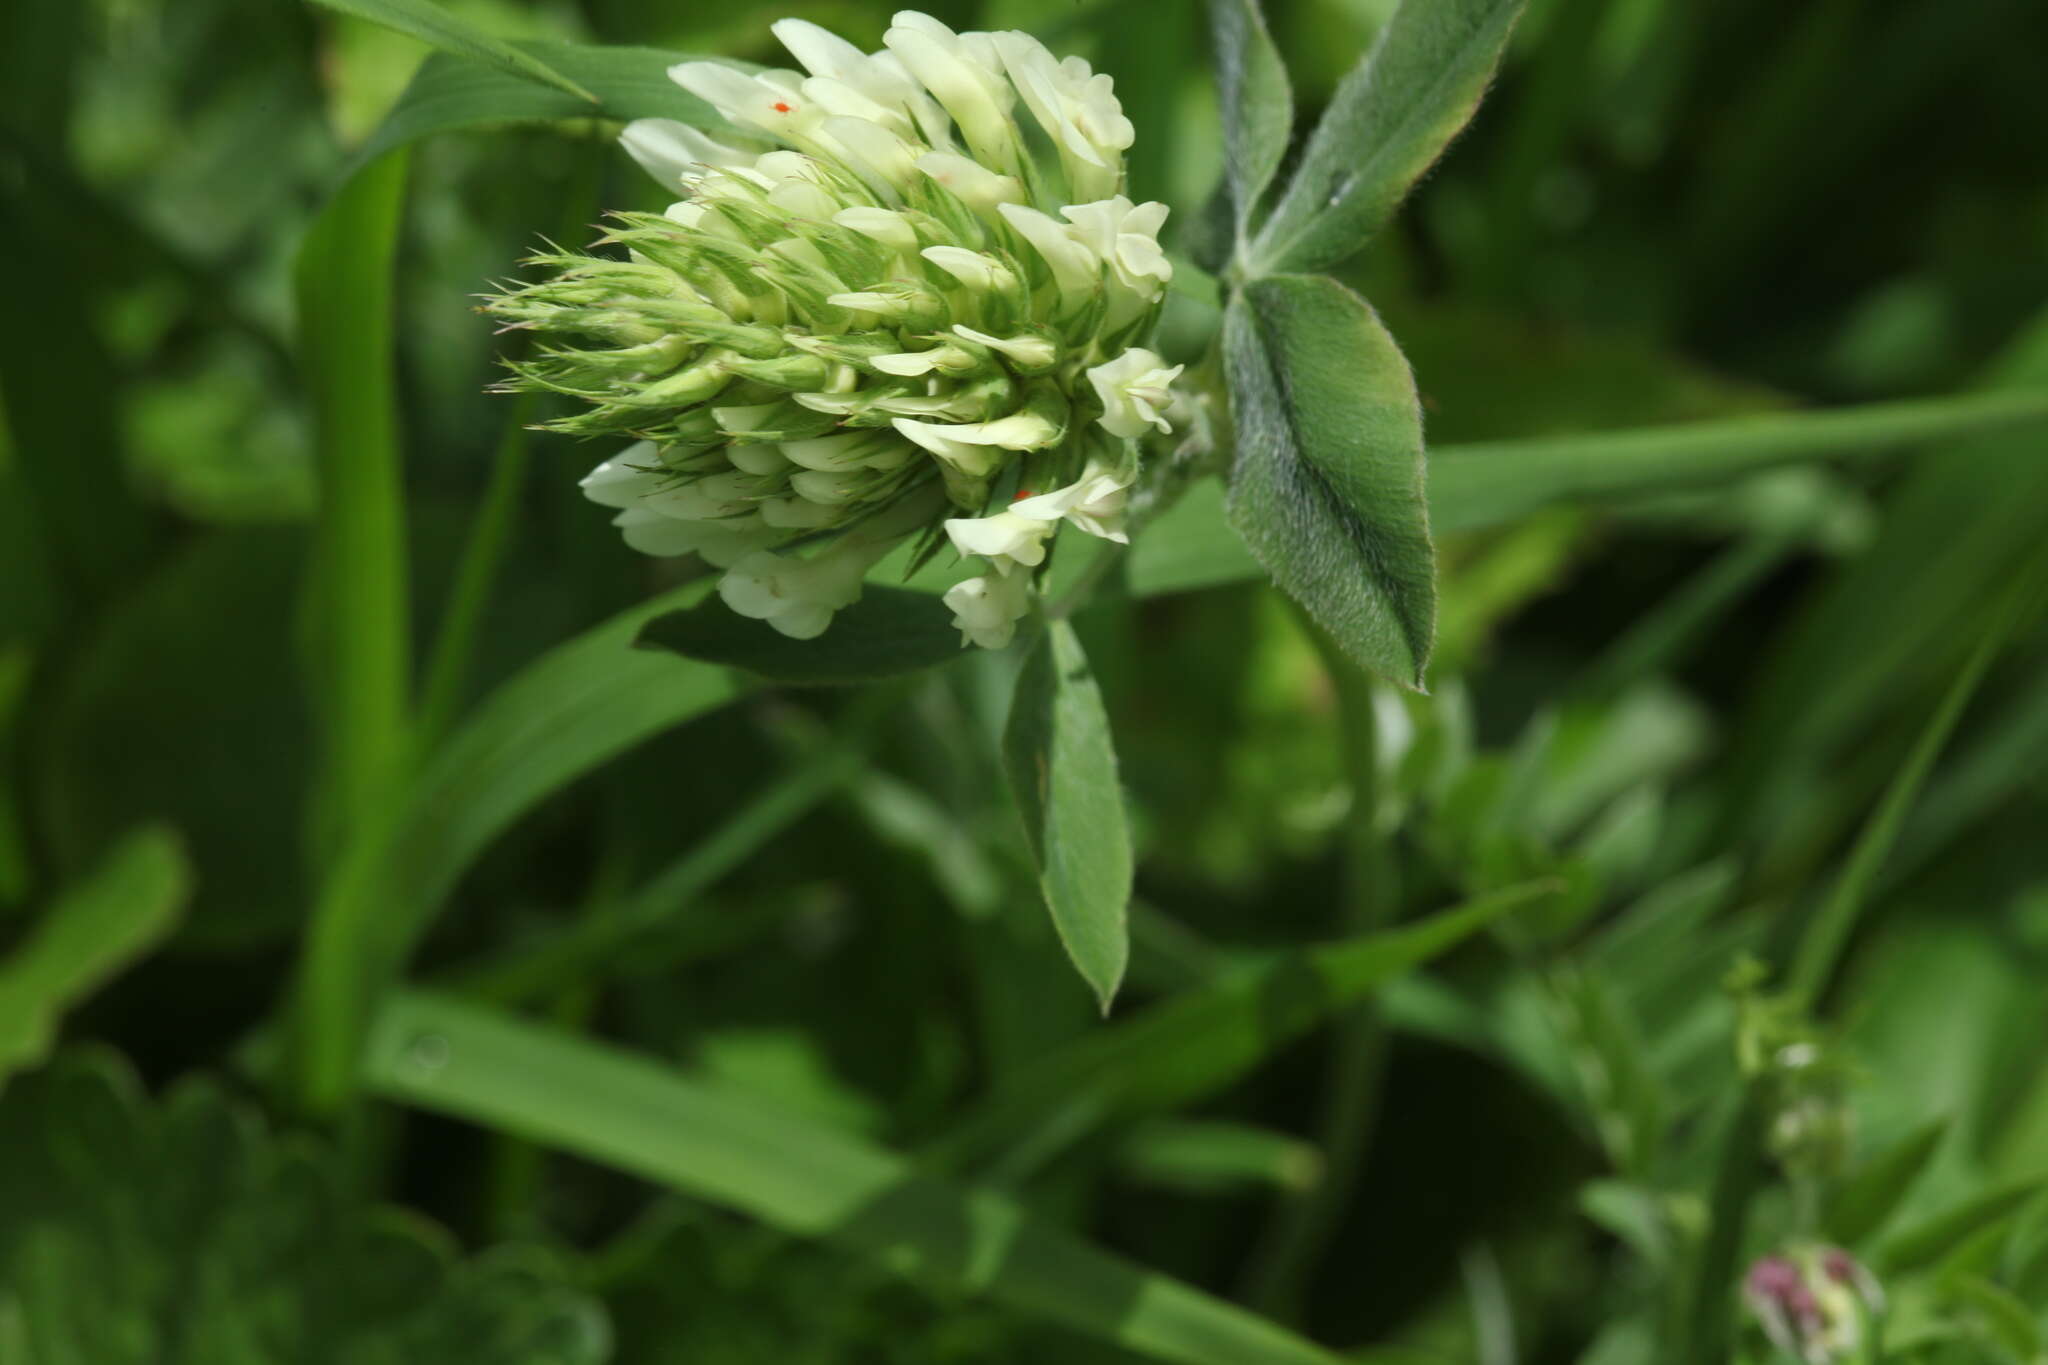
(1667, 211)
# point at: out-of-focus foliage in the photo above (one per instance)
(1658, 722)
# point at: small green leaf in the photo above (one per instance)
(1062, 769)
(436, 27)
(1390, 119)
(1258, 105)
(1872, 1192)
(639, 1115)
(890, 631)
(448, 93)
(124, 909)
(1327, 488)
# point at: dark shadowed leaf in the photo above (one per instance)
(1327, 487)
(1391, 118)
(890, 631)
(428, 22)
(1062, 768)
(1258, 106)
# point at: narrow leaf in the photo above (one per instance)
(448, 93)
(125, 908)
(1485, 484)
(1391, 118)
(1258, 105)
(1062, 769)
(582, 703)
(643, 1117)
(890, 631)
(1327, 488)
(436, 27)
(1477, 485)
(1859, 1208)
(1195, 1044)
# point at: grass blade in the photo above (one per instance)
(642, 1117)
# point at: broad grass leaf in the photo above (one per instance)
(448, 93)
(181, 1230)
(888, 632)
(95, 929)
(584, 702)
(1258, 104)
(435, 26)
(1061, 764)
(1327, 486)
(1391, 118)
(641, 1116)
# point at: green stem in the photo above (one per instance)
(357, 590)
(483, 555)
(1305, 1220)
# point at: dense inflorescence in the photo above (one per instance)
(882, 318)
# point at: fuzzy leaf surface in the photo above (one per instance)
(1327, 488)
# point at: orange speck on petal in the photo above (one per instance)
(781, 108)
(1022, 494)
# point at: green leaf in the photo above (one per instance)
(436, 27)
(1207, 1156)
(1258, 105)
(1389, 121)
(448, 94)
(1327, 487)
(1061, 764)
(1873, 1191)
(1922, 1244)
(888, 632)
(182, 1232)
(1196, 1043)
(579, 705)
(1497, 481)
(641, 1116)
(358, 599)
(1478, 485)
(124, 909)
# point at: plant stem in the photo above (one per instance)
(1304, 1221)
(357, 598)
(483, 555)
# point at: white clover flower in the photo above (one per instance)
(871, 313)
(1135, 389)
(986, 610)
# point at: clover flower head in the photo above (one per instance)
(872, 314)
